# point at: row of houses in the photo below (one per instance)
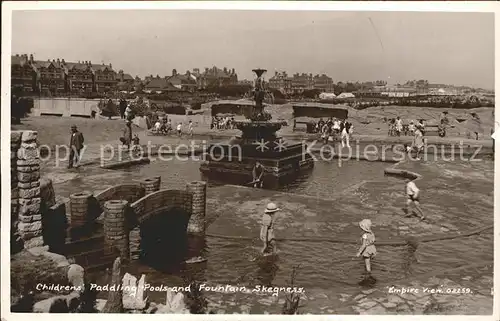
(59, 76)
(191, 80)
(298, 83)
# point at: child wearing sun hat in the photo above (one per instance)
(367, 249)
(267, 228)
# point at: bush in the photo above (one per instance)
(20, 107)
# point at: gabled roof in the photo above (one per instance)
(160, 84)
(182, 78)
(19, 60)
(44, 64)
(75, 65)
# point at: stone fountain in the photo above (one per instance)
(233, 161)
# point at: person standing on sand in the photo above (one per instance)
(190, 128)
(367, 249)
(398, 126)
(179, 129)
(75, 145)
(267, 229)
(418, 141)
(413, 196)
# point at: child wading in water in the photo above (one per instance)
(367, 249)
(267, 229)
(412, 194)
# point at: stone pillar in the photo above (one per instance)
(115, 227)
(198, 190)
(79, 209)
(151, 184)
(15, 143)
(135, 243)
(28, 176)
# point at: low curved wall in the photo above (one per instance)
(159, 202)
(128, 192)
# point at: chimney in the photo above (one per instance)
(17, 55)
(90, 62)
(174, 72)
(58, 61)
(63, 62)
(110, 66)
(225, 70)
(188, 73)
(53, 60)
(232, 71)
(206, 69)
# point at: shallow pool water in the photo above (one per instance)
(322, 266)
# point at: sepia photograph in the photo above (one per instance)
(225, 161)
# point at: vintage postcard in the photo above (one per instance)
(200, 158)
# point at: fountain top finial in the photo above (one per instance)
(259, 72)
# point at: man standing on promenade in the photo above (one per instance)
(75, 145)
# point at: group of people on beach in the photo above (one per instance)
(222, 123)
(333, 129)
(163, 125)
(397, 128)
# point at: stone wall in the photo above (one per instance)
(25, 168)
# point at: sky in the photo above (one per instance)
(450, 48)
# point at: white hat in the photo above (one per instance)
(366, 225)
(271, 208)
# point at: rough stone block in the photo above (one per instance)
(28, 136)
(28, 185)
(28, 177)
(29, 193)
(28, 153)
(76, 276)
(32, 239)
(29, 227)
(15, 136)
(28, 169)
(29, 206)
(29, 218)
(28, 162)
